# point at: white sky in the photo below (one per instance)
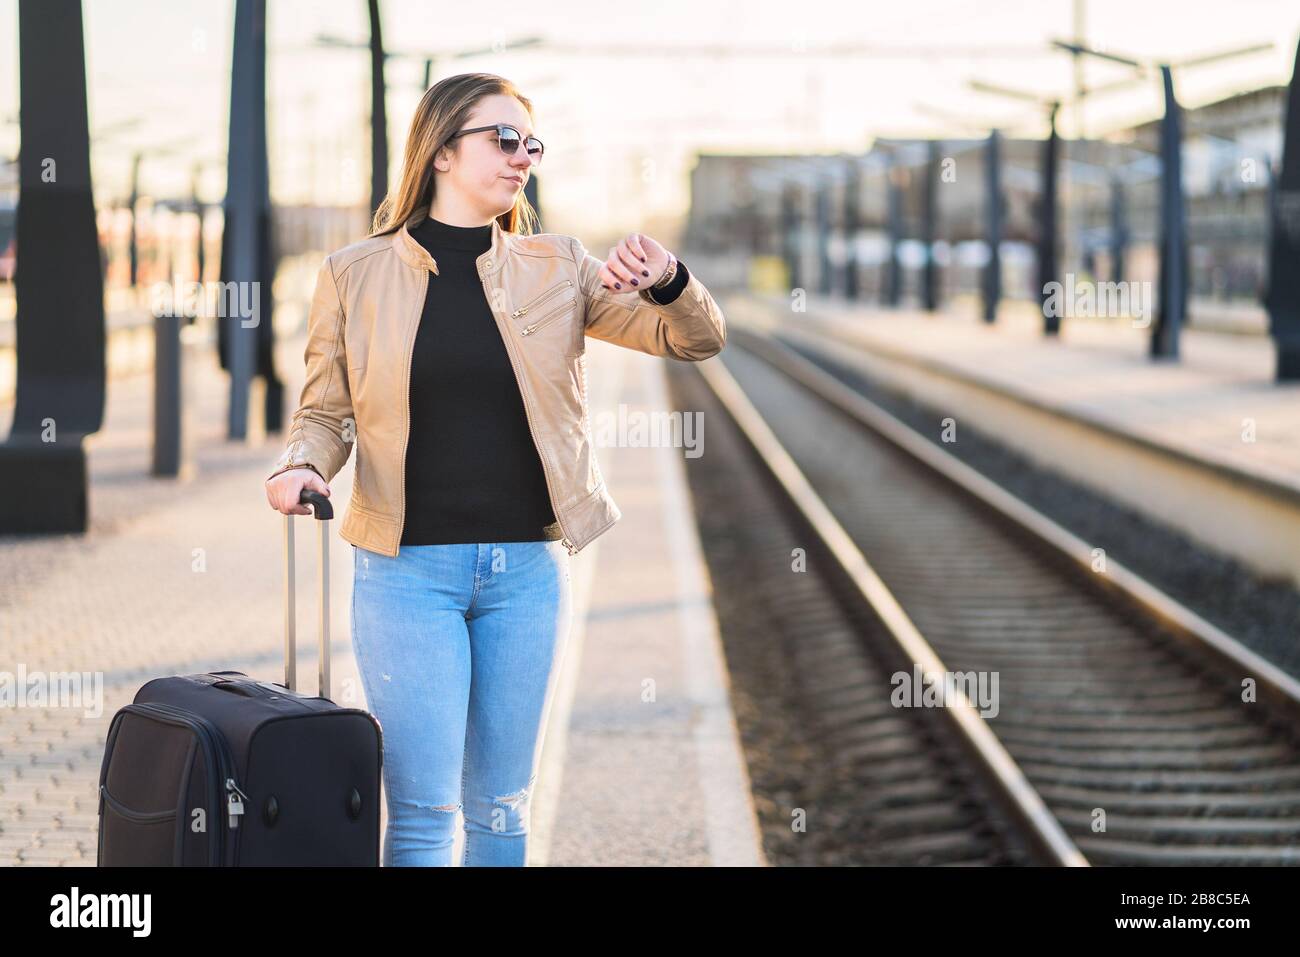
(620, 130)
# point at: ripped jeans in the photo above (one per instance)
(459, 648)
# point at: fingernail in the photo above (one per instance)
(644, 273)
(618, 285)
(636, 282)
(643, 259)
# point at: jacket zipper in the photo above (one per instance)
(546, 319)
(522, 310)
(514, 366)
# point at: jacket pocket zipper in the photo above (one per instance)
(522, 310)
(546, 319)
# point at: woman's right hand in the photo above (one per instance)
(284, 490)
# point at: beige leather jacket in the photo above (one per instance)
(546, 297)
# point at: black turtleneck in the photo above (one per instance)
(472, 471)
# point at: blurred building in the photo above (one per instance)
(736, 210)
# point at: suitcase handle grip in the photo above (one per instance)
(236, 688)
(321, 506)
(323, 512)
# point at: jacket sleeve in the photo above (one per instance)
(690, 327)
(322, 431)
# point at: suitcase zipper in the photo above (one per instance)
(234, 802)
(227, 842)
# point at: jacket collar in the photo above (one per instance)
(417, 257)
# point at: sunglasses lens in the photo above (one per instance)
(509, 140)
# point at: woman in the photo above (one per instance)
(449, 345)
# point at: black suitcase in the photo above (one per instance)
(221, 770)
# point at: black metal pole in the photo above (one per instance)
(1173, 236)
(892, 288)
(1283, 297)
(534, 198)
(58, 282)
(246, 207)
(133, 241)
(852, 223)
(199, 251)
(822, 207)
(172, 417)
(790, 246)
(929, 228)
(992, 285)
(1047, 264)
(378, 114)
(1118, 230)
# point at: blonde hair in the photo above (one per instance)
(441, 112)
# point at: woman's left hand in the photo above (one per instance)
(636, 263)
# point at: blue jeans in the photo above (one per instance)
(459, 647)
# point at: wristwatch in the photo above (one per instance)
(669, 273)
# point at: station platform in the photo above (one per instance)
(1208, 444)
(182, 576)
(628, 778)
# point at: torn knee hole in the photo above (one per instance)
(512, 800)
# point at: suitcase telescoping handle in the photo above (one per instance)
(323, 512)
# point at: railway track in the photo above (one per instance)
(840, 777)
(1119, 733)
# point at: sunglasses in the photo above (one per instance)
(508, 139)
